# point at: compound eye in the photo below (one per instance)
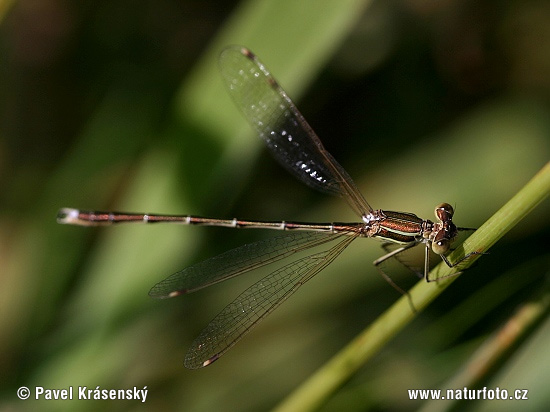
(441, 246)
(444, 211)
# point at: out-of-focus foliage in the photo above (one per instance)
(118, 105)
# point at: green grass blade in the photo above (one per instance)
(342, 366)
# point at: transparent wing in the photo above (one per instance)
(236, 261)
(290, 138)
(255, 303)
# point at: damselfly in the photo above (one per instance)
(295, 145)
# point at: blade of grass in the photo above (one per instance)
(489, 355)
(5, 6)
(343, 365)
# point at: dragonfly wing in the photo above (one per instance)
(292, 141)
(255, 303)
(237, 261)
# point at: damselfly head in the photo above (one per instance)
(444, 212)
(442, 242)
(445, 230)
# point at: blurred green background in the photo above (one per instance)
(117, 105)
